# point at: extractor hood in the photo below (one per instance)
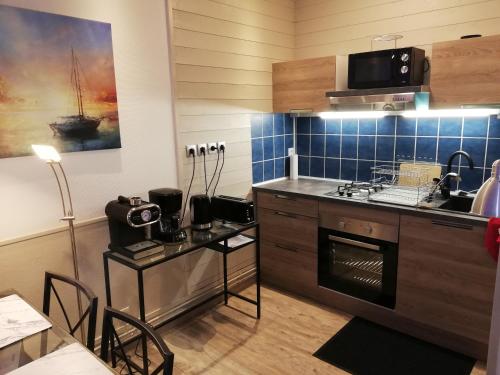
(390, 98)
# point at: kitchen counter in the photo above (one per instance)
(311, 188)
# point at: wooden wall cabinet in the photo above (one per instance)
(446, 279)
(301, 85)
(465, 72)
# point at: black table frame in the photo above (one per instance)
(210, 244)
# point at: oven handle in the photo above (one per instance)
(348, 241)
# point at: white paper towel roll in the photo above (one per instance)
(294, 167)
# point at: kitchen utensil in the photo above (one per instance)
(201, 215)
(487, 200)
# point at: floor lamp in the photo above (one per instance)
(50, 155)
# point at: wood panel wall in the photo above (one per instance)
(326, 27)
(222, 53)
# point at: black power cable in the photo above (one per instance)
(203, 151)
(189, 189)
(222, 148)
(213, 148)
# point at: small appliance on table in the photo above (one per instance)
(130, 221)
(169, 226)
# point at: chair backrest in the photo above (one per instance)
(146, 332)
(90, 312)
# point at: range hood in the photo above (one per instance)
(390, 98)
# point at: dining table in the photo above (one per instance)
(52, 350)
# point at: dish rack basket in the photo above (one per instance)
(404, 183)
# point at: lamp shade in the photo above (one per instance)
(47, 153)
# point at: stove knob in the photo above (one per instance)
(341, 193)
(349, 193)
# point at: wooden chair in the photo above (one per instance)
(146, 331)
(90, 312)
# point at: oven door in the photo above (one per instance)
(361, 267)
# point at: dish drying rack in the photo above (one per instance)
(404, 183)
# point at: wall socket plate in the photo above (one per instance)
(221, 143)
(210, 145)
(189, 148)
(200, 147)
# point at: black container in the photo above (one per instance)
(170, 202)
(201, 215)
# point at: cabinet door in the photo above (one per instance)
(466, 72)
(302, 84)
(446, 278)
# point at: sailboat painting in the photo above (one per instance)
(57, 83)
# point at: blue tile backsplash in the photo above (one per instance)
(272, 136)
(349, 148)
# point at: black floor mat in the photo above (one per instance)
(365, 348)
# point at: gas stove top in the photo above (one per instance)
(356, 190)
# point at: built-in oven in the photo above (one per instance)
(360, 266)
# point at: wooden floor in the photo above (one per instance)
(224, 340)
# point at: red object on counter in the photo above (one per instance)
(492, 238)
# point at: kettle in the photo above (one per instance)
(201, 215)
(487, 200)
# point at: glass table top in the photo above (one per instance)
(195, 240)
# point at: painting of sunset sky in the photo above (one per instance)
(57, 83)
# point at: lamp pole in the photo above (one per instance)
(70, 218)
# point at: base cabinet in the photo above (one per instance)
(446, 279)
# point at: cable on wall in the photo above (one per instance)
(222, 148)
(215, 170)
(189, 188)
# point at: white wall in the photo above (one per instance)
(339, 27)
(147, 157)
(223, 52)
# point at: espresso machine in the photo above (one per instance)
(170, 202)
(130, 223)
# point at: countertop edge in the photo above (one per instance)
(431, 212)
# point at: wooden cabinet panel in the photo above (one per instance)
(446, 278)
(288, 267)
(295, 231)
(302, 84)
(288, 203)
(368, 222)
(466, 72)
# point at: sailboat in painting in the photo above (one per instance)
(80, 124)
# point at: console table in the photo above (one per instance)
(221, 232)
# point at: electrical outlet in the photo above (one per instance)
(201, 147)
(189, 149)
(210, 146)
(220, 145)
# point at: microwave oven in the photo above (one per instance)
(386, 68)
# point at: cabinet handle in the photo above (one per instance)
(452, 224)
(279, 196)
(287, 248)
(285, 214)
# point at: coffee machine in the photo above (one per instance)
(170, 202)
(130, 221)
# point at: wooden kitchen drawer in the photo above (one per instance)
(288, 267)
(288, 203)
(446, 279)
(363, 221)
(300, 232)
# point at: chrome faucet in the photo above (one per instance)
(446, 186)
